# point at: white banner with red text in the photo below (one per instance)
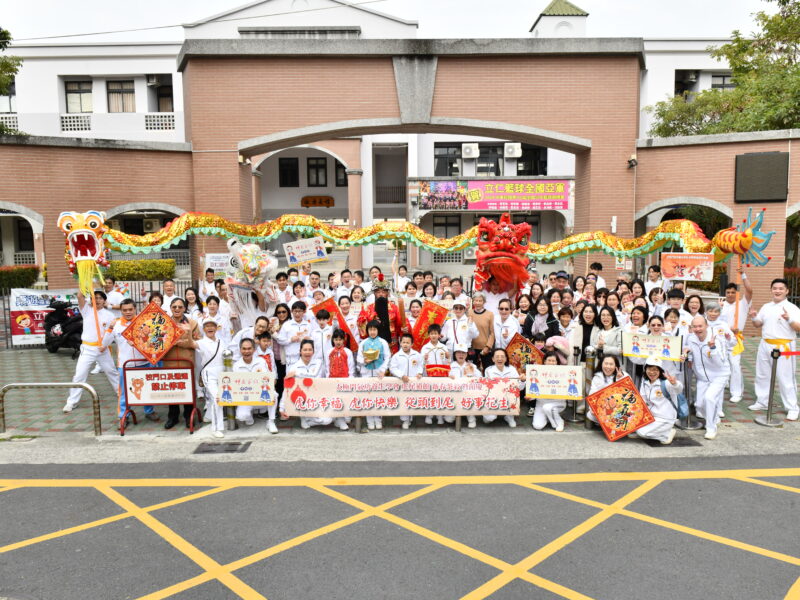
(390, 396)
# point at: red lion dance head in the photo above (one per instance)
(501, 254)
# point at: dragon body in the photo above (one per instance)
(504, 248)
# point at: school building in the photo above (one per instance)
(345, 114)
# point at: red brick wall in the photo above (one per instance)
(708, 171)
(50, 180)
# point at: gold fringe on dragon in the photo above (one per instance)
(504, 249)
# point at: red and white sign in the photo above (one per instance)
(159, 386)
(28, 309)
(389, 396)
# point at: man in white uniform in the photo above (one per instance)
(207, 287)
(737, 322)
(126, 352)
(168, 290)
(92, 349)
(779, 322)
(709, 359)
(113, 301)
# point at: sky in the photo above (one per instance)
(437, 18)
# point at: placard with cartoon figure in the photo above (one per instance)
(246, 389)
(690, 266)
(554, 382)
(639, 345)
(308, 250)
(619, 409)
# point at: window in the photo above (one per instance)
(24, 236)
(341, 175)
(318, 172)
(490, 161)
(165, 103)
(446, 226)
(121, 96)
(288, 172)
(532, 162)
(79, 96)
(8, 102)
(722, 82)
(446, 160)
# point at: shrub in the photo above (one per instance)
(19, 276)
(142, 270)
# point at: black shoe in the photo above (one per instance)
(170, 423)
(188, 423)
(152, 417)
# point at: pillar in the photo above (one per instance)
(354, 213)
(367, 196)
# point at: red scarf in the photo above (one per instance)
(338, 363)
(267, 359)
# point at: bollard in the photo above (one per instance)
(230, 411)
(98, 430)
(591, 358)
(359, 428)
(573, 413)
(690, 422)
(458, 423)
(771, 420)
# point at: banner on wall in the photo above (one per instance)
(689, 266)
(511, 194)
(28, 309)
(307, 250)
(389, 396)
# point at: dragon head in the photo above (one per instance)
(502, 253)
(85, 249)
(250, 263)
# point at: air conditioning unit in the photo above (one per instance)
(469, 253)
(512, 150)
(470, 151)
(153, 81)
(114, 224)
(152, 225)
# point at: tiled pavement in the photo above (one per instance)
(37, 411)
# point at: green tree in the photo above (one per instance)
(709, 220)
(9, 65)
(766, 70)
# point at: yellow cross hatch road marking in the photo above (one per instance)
(224, 573)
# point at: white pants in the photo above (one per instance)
(490, 418)
(657, 430)
(314, 421)
(708, 403)
(547, 411)
(89, 355)
(375, 420)
(737, 379)
(213, 412)
(785, 377)
(245, 413)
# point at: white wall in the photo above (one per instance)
(276, 200)
(665, 56)
(41, 96)
(560, 27)
(372, 25)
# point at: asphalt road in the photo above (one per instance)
(672, 528)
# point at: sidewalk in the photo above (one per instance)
(38, 412)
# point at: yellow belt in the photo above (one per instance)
(96, 344)
(782, 345)
(739, 347)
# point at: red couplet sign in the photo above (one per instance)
(389, 396)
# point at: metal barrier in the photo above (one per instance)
(768, 420)
(56, 385)
(573, 417)
(591, 359)
(690, 422)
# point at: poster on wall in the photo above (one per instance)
(305, 251)
(689, 266)
(521, 194)
(28, 310)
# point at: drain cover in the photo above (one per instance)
(221, 447)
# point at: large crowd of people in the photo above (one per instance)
(561, 315)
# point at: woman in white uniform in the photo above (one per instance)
(309, 367)
(660, 392)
